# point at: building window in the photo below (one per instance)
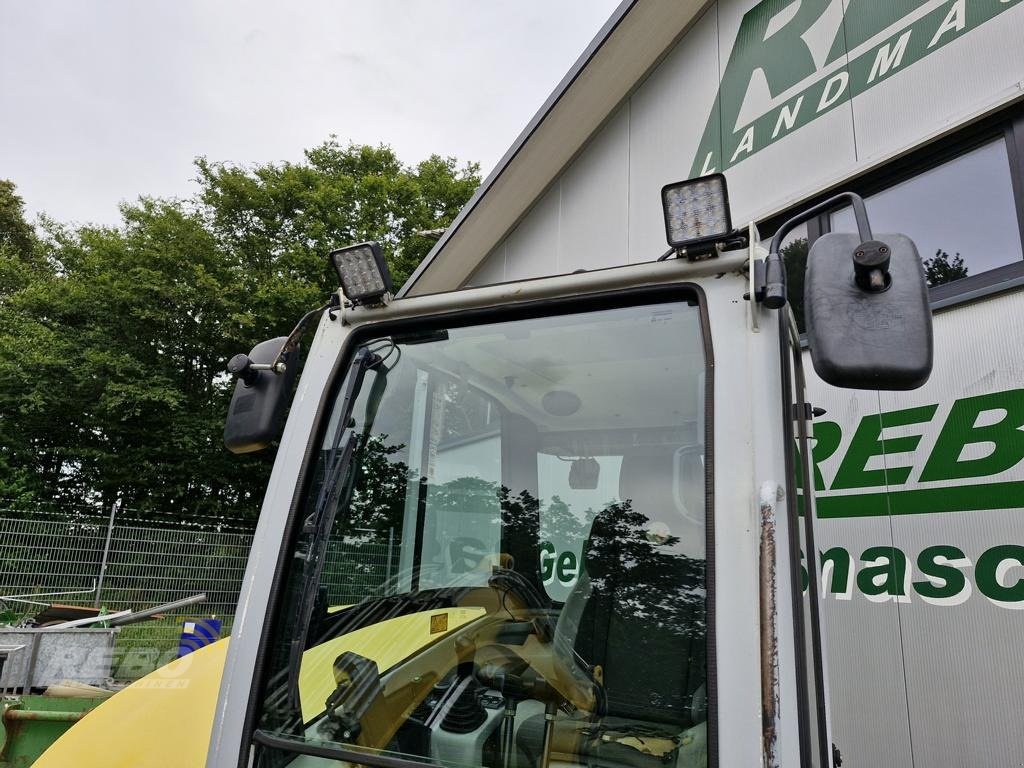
(961, 214)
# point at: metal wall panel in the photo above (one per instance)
(532, 248)
(979, 66)
(969, 655)
(794, 164)
(666, 118)
(959, 657)
(965, 663)
(595, 201)
(491, 269)
(787, 98)
(870, 724)
(787, 171)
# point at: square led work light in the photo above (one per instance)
(364, 275)
(696, 211)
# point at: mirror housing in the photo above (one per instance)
(257, 405)
(863, 334)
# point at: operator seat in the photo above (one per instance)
(636, 615)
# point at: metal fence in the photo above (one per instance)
(354, 567)
(118, 560)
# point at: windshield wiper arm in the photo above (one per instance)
(317, 526)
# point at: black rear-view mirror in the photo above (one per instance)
(256, 412)
(869, 323)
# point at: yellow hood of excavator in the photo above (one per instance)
(164, 719)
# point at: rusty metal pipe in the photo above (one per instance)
(145, 613)
(769, 496)
(44, 716)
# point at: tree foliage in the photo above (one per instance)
(942, 269)
(113, 340)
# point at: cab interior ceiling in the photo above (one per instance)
(618, 374)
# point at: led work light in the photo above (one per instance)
(696, 211)
(364, 275)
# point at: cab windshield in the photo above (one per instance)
(501, 557)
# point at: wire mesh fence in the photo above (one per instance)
(116, 561)
(355, 566)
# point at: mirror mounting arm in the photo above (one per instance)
(245, 369)
(242, 366)
(860, 213)
(292, 339)
(871, 272)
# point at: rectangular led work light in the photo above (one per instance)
(364, 275)
(696, 211)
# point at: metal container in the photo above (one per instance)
(37, 658)
(30, 724)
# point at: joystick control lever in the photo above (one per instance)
(518, 684)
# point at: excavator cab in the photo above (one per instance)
(496, 537)
(500, 553)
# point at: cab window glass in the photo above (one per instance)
(578, 488)
(507, 522)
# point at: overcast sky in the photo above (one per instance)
(103, 101)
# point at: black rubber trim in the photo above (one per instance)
(813, 583)
(710, 601)
(283, 559)
(786, 355)
(820, 718)
(610, 299)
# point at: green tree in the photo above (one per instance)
(942, 268)
(16, 234)
(113, 340)
(19, 266)
(281, 220)
(113, 365)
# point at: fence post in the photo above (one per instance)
(391, 543)
(106, 552)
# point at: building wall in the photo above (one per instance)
(926, 669)
(786, 97)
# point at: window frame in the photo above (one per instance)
(564, 305)
(1007, 124)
